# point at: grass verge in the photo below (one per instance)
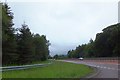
(56, 70)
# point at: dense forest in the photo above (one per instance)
(20, 46)
(106, 44)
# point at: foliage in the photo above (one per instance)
(60, 56)
(106, 44)
(20, 46)
(41, 47)
(9, 45)
(25, 45)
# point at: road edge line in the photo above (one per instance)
(93, 74)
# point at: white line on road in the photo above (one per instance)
(103, 67)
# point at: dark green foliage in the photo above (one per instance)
(55, 56)
(31, 47)
(50, 57)
(37, 45)
(60, 56)
(9, 55)
(41, 47)
(106, 44)
(89, 49)
(71, 54)
(23, 47)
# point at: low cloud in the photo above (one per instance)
(66, 25)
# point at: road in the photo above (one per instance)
(104, 69)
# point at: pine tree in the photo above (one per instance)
(25, 45)
(9, 55)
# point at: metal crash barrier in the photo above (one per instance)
(8, 68)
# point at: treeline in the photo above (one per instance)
(20, 46)
(106, 44)
(59, 56)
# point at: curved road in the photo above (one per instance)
(104, 69)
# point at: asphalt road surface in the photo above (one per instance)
(104, 69)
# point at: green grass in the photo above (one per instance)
(56, 70)
(0, 75)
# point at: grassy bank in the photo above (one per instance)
(56, 70)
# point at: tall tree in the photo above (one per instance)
(106, 44)
(25, 45)
(89, 49)
(45, 47)
(37, 45)
(41, 45)
(9, 55)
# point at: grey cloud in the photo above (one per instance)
(66, 25)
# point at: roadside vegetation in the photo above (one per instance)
(19, 45)
(105, 44)
(57, 69)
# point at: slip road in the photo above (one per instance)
(105, 70)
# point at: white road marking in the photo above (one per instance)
(98, 66)
(103, 67)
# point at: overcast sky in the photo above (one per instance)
(66, 24)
